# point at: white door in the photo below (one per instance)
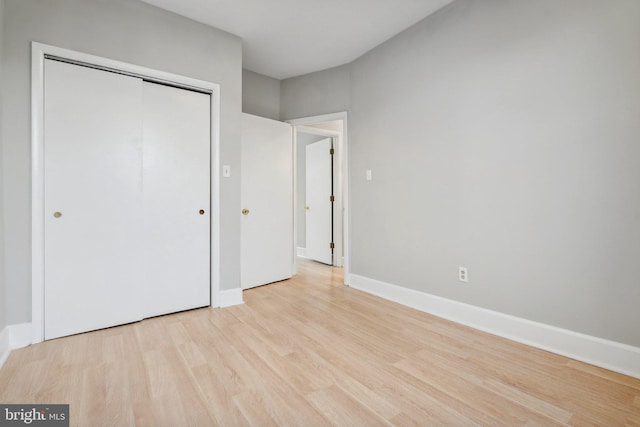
(93, 204)
(127, 199)
(267, 201)
(176, 195)
(319, 208)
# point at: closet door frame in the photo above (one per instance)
(39, 52)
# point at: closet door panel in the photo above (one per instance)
(176, 176)
(93, 199)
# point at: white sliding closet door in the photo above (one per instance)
(176, 198)
(127, 199)
(93, 199)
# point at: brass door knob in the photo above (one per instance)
(245, 211)
(57, 214)
(306, 208)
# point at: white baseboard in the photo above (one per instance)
(13, 337)
(301, 252)
(5, 347)
(20, 335)
(611, 355)
(231, 297)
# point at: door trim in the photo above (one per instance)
(342, 181)
(38, 53)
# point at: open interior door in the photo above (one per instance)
(319, 206)
(267, 201)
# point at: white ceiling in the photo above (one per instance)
(286, 38)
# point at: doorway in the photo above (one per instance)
(311, 130)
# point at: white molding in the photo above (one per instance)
(230, 297)
(611, 355)
(319, 118)
(13, 337)
(294, 146)
(5, 347)
(38, 52)
(301, 252)
(317, 131)
(20, 335)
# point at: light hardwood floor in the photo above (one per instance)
(311, 352)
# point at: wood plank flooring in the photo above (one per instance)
(311, 352)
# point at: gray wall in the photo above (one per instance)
(129, 31)
(2, 270)
(260, 95)
(323, 92)
(503, 137)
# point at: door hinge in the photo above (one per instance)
(332, 151)
(332, 245)
(332, 199)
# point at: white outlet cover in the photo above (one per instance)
(463, 274)
(369, 175)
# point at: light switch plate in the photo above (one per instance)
(226, 171)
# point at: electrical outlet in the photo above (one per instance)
(463, 275)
